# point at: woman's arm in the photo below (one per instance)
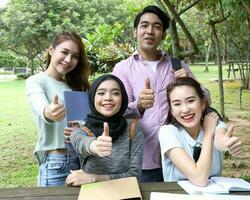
(136, 156)
(81, 142)
(36, 97)
(197, 173)
(38, 100)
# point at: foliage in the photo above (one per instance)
(103, 49)
(27, 26)
(8, 60)
(22, 76)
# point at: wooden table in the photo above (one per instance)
(71, 193)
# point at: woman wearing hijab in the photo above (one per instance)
(108, 149)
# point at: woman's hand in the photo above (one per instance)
(233, 143)
(54, 111)
(68, 131)
(79, 177)
(210, 122)
(102, 146)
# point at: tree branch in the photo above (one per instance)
(182, 25)
(222, 19)
(188, 7)
(245, 6)
(21, 53)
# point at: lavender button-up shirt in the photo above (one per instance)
(133, 71)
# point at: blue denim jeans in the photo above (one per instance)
(151, 175)
(56, 168)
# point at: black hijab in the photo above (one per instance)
(117, 123)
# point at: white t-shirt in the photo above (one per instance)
(153, 64)
(172, 137)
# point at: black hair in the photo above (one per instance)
(155, 10)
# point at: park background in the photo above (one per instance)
(207, 34)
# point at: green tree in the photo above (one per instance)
(176, 9)
(28, 25)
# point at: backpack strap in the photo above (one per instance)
(132, 128)
(176, 63)
(86, 129)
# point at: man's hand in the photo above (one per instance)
(146, 97)
(54, 111)
(180, 73)
(102, 146)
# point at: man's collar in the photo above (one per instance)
(138, 56)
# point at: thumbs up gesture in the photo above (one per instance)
(54, 111)
(232, 143)
(102, 146)
(146, 97)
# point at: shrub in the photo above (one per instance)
(22, 76)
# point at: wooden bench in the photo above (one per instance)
(231, 68)
(243, 67)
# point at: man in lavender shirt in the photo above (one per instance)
(146, 74)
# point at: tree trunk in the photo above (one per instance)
(225, 56)
(220, 79)
(248, 23)
(32, 66)
(175, 39)
(207, 50)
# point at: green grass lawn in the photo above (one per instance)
(19, 135)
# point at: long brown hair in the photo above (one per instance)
(77, 78)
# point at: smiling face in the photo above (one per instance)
(108, 98)
(64, 58)
(187, 107)
(149, 33)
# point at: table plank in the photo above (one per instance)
(170, 187)
(33, 193)
(71, 193)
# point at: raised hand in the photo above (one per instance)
(233, 143)
(102, 146)
(146, 97)
(54, 111)
(210, 122)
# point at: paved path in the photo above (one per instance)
(4, 77)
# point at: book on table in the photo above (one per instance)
(76, 105)
(171, 196)
(217, 185)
